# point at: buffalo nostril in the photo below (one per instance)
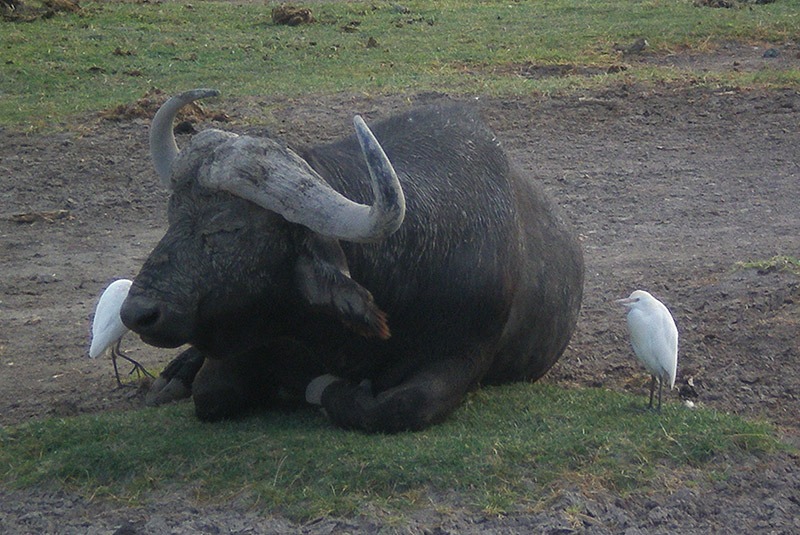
(139, 314)
(148, 319)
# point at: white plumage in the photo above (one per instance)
(654, 338)
(107, 327)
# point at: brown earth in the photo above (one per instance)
(669, 188)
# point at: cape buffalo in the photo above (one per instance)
(381, 276)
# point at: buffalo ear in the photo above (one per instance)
(323, 278)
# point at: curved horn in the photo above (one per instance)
(163, 148)
(276, 178)
(389, 207)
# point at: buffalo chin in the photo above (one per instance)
(167, 343)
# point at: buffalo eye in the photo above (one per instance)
(221, 226)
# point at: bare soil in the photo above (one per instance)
(668, 188)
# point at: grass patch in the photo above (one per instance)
(776, 263)
(114, 52)
(499, 452)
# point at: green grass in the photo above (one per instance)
(54, 69)
(776, 263)
(499, 452)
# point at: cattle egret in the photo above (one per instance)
(654, 338)
(108, 329)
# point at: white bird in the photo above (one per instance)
(108, 329)
(654, 338)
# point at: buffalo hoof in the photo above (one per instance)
(175, 382)
(317, 386)
(166, 390)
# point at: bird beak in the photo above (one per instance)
(626, 301)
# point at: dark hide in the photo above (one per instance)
(482, 283)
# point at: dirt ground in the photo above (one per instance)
(669, 188)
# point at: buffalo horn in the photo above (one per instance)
(389, 207)
(278, 179)
(163, 148)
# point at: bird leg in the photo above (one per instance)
(660, 387)
(652, 390)
(114, 351)
(137, 367)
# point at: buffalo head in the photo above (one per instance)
(253, 239)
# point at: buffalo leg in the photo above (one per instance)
(423, 399)
(219, 392)
(230, 388)
(261, 378)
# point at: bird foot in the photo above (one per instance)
(140, 370)
(137, 367)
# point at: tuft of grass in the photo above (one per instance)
(110, 53)
(499, 453)
(776, 263)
